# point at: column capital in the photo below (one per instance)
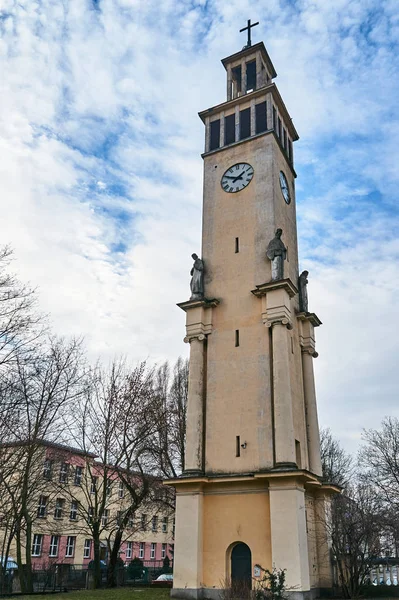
(307, 322)
(198, 318)
(278, 321)
(276, 302)
(309, 350)
(196, 336)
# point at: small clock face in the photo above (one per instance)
(284, 188)
(237, 177)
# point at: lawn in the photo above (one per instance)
(126, 593)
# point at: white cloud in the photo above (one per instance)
(101, 175)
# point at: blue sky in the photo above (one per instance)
(101, 174)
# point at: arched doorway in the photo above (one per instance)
(241, 567)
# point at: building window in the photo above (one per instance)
(131, 522)
(104, 518)
(274, 119)
(237, 338)
(87, 549)
(251, 76)
(47, 469)
(154, 523)
(64, 472)
(121, 490)
(70, 546)
(152, 551)
(215, 134)
(290, 149)
(165, 525)
(245, 123)
(73, 514)
(91, 514)
(108, 490)
(229, 129)
(141, 550)
(41, 508)
(119, 517)
(59, 508)
(143, 522)
(236, 80)
(54, 544)
(78, 475)
(129, 549)
(163, 552)
(285, 138)
(279, 128)
(37, 544)
(93, 488)
(260, 117)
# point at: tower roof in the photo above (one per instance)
(250, 50)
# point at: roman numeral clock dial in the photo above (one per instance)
(237, 177)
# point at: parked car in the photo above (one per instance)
(165, 580)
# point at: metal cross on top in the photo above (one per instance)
(248, 27)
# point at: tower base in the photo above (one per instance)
(232, 528)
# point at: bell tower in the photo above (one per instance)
(252, 489)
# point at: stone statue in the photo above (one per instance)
(303, 291)
(277, 253)
(197, 279)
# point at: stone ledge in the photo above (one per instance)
(283, 284)
(204, 303)
(311, 317)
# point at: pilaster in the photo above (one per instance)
(307, 323)
(198, 327)
(276, 314)
(288, 532)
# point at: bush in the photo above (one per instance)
(272, 585)
(135, 569)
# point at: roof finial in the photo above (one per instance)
(248, 27)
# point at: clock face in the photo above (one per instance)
(284, 188)
(237, 177)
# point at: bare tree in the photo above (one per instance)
(337, 465)
(168, 444)
(355, 528)
(36, 399)
(20, 324)
(379, 457)
(114, 422)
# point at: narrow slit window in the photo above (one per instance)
(260, 117)
(229, 129)
(285, 139)
(298, 454)
(274, 119)
(237, 338)
(245, 123)
(279, 128)
(215, 134)
(290, 150)
(238, 448)
(237, 246)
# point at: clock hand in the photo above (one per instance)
(239, 177)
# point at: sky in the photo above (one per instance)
(101, 173)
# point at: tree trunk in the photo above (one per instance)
(112, 575)
(97, 579)
(28, 557)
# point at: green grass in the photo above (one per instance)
(126, 593)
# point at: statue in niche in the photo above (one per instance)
(197, 279)
(277, 253)
(303, 291)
